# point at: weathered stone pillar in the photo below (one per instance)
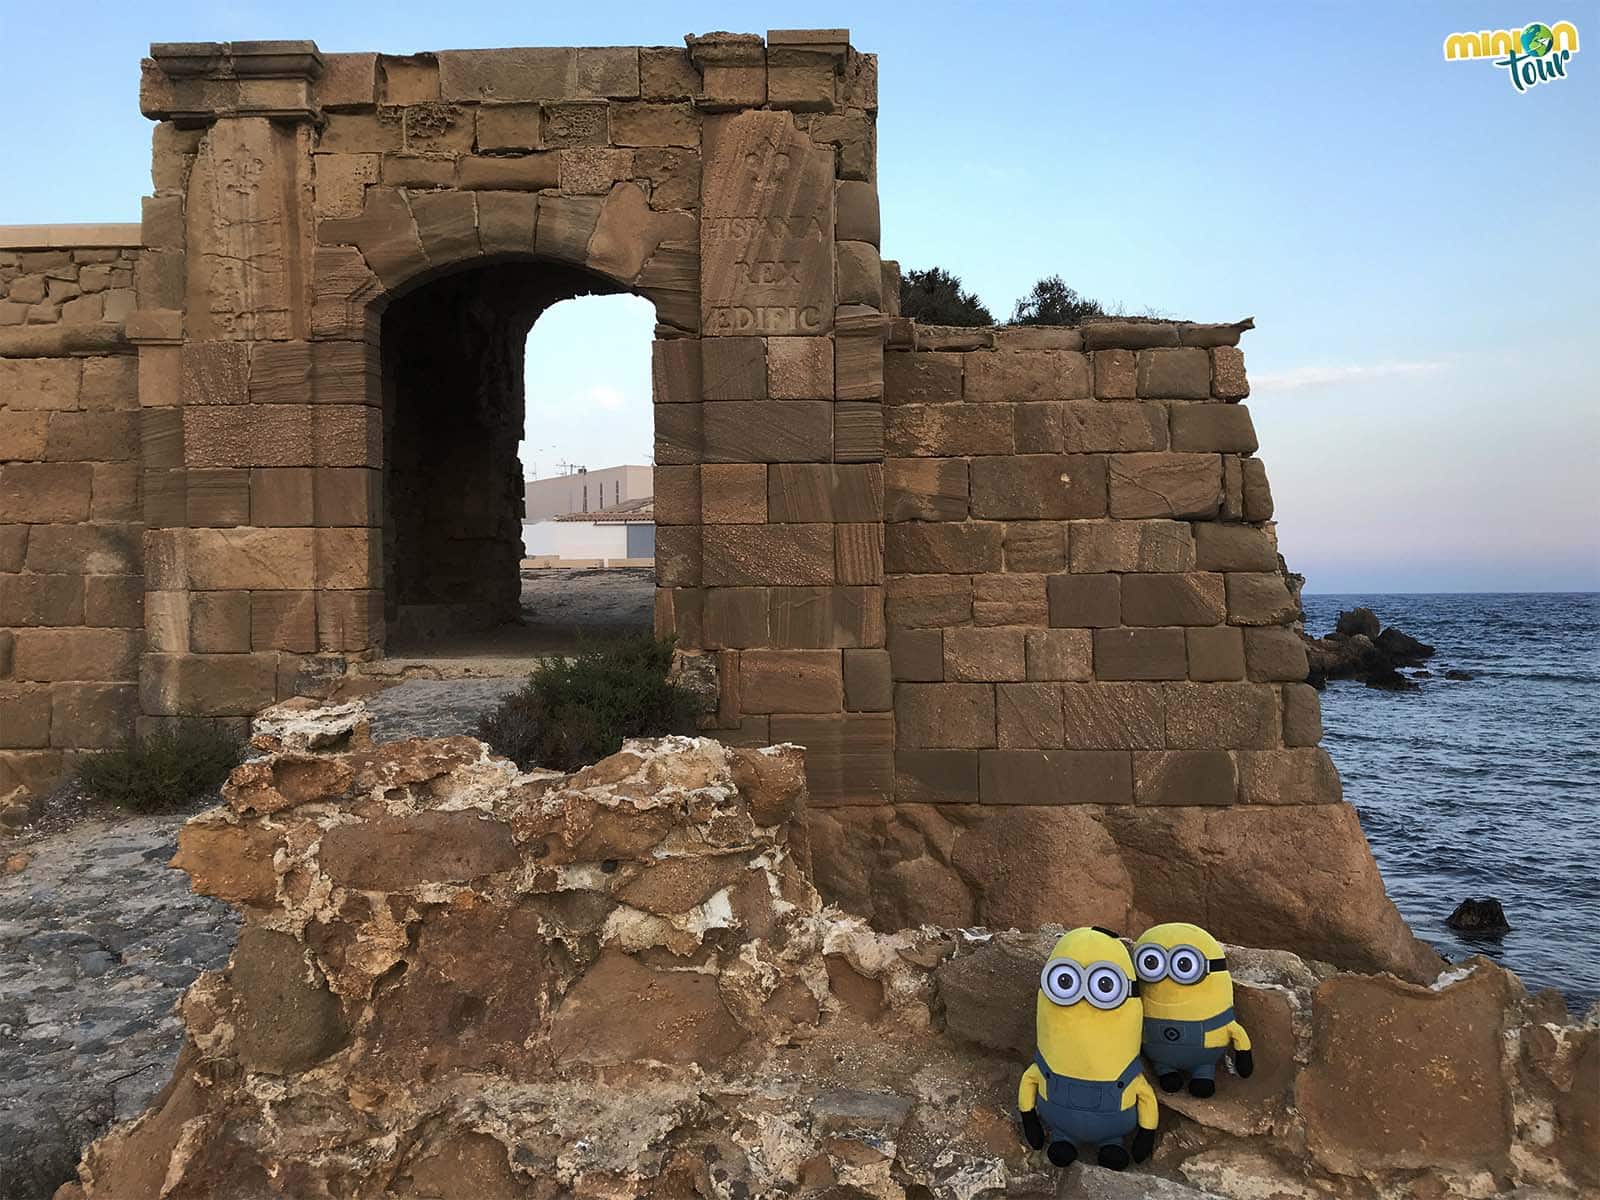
(259, 448)
(789, 428)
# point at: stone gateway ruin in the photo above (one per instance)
(1015, 591)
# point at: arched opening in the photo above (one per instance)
(456, 383)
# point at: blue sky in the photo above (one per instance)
(1416, 240)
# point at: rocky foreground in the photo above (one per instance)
(455, 979)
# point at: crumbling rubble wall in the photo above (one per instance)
(455, 979)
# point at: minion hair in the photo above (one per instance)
(1111, 933)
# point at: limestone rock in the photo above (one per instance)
(301, 724)
(987, 994)
(681, 1016)
(286, 1018)
(1408, 1077)
(460, 979)
(228, 861)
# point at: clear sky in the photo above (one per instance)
(1416, 240)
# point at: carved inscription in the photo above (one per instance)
(766, 228)
(244, 225)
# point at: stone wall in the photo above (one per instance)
(1096, 688)
(319, 243)
(1084, 599)
(71, 593)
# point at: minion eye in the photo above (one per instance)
(1062, 981)
(1107, 987)
(1186, 964)
(1150, 963)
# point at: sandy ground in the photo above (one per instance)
(561, 608)
(578, 599)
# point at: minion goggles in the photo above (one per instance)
(1065, 981)
(1184, 964)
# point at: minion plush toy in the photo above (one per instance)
(1086, 1085)
(1188, 1007)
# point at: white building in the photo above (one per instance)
(585, 491)
(624, 534)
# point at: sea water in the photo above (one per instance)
(1488, 787)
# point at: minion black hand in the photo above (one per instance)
(1033, 1130)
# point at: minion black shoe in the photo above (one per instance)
(1113, 1158)
(1201, 1087)
(1062, 1154)
(1170, 1081)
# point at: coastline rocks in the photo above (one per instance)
(1355, 622)
(1479, 916)
(1402, 650)
(648, 998)
(1359, 648)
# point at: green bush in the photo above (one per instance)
(936, 297)
(573, 712)
(174, 766)
(1052, 302)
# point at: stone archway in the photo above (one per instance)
(307, 201)
(465, 275)
(454, 413)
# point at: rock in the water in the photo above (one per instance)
(1357, 649)
(1390, 680)
(1402, 650)
(1459, 676)
(1479, 916)
(1361, 621)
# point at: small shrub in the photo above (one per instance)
(573, 712)
(936, 297)
(176, 765)
(1052, 302)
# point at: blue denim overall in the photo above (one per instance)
(1086, 1111)
(1181, 1045)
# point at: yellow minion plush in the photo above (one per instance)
(1188, 1007)
(1086, 1085)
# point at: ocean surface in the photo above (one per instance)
(1489, 787)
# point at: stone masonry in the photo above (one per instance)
(995, 582)
(71, 570)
